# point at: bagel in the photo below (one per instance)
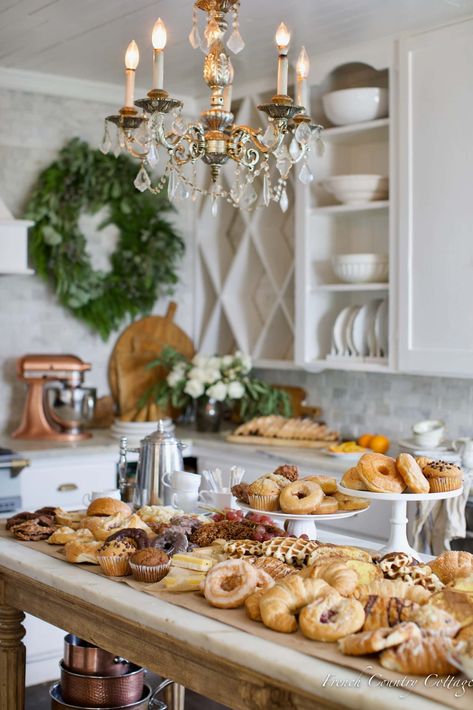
(301, 498)
(379, 474)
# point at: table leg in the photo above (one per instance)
(12, 656)
(174, 696)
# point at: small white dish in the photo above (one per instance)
(428, 433)
(339, 331)
(357, 189)
(381, 329)
(349, 332)
(360, 331)
(361, 268)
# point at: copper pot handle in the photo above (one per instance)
(154, 703)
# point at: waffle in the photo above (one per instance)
(291, 550)
(242, 548)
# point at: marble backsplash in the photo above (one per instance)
(388, 404)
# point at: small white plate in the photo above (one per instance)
(372, 307)
(349, 457)
(339, 331)
(410, 445)
(360, 331)
(349, 331)
(381, 329)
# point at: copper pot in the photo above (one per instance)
(57, 702)
(85, 658)
(102, 691)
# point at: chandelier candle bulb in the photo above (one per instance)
(132, 58)
(302, 72)
(283, 38)
(159, 39)
(228, 90)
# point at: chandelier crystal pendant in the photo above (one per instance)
(153, 127)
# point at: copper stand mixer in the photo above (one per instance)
(55, 411)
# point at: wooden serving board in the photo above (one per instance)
(271, 441)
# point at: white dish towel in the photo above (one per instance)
(434, 523)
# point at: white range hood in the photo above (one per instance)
(13, 243)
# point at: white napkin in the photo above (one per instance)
(435, 523)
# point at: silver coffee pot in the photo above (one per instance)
(159, 453)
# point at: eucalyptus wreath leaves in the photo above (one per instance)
(145, 262)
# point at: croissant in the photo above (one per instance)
(279, 605)
(337, 574)
(381, 612)
(394, 588)
(252, 605)
(420, 656)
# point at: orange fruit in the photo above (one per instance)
(364, 440)
(379, 443)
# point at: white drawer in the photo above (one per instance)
(65, 483)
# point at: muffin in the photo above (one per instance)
(150, 565)
(443, 476)
(263, 494)
(113, 557)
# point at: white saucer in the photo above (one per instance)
(443, 448)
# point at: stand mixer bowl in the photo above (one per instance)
(70, 407)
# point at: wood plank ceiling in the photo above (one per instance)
(87, 38)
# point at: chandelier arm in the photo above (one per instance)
(253, 135)
(132, 151)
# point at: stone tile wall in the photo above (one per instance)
(32, 130)
(388, 404)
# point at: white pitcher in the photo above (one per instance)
(464, 447)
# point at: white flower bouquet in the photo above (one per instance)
(225, 379)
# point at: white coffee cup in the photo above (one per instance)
(429, 432)
(183, 480)
(185, 500)
(110, 493)
(217, 499)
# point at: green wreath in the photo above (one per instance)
(144, 264)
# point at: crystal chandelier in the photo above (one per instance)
(153, 127)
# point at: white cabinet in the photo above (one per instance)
(436, 205)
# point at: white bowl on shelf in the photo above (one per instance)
(361, 268)
(355, 105)
(357, 189)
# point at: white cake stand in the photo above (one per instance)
(302, 524)
(398, 533)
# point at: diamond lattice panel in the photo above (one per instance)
(206, 298)
(250, 259)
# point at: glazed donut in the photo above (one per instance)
(351, 479)
(412, 474)
(346, 502)
(327, 483)
(379, 474)
(172, 541)
(229, 583)
(331, 617)
(328, 506)
(264, 580)
(301, 497)
(138, 537)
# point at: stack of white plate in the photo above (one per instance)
(361, 331)
(357, 189)
(136, 431)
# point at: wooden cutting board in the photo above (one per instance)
(271, 441)
(137, 346)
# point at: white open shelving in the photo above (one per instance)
(326, 228)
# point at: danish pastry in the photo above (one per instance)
(379, 474)
(78, 551)
(367, 642)
(279, 605)
(65, 534)
(458, 604)
(301, 497)
(331, 617)
(420, 657)
(412, 474)
(435, 620)
(394, 588)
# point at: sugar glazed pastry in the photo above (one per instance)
(379, 474)
(451, 565)
(79, 552)
(327, 483)
(421, 656)
(381, 612)
(433, 620)
(377, 640)
(301, 497)
(349, 502)
(343, 579)
(351, 479)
